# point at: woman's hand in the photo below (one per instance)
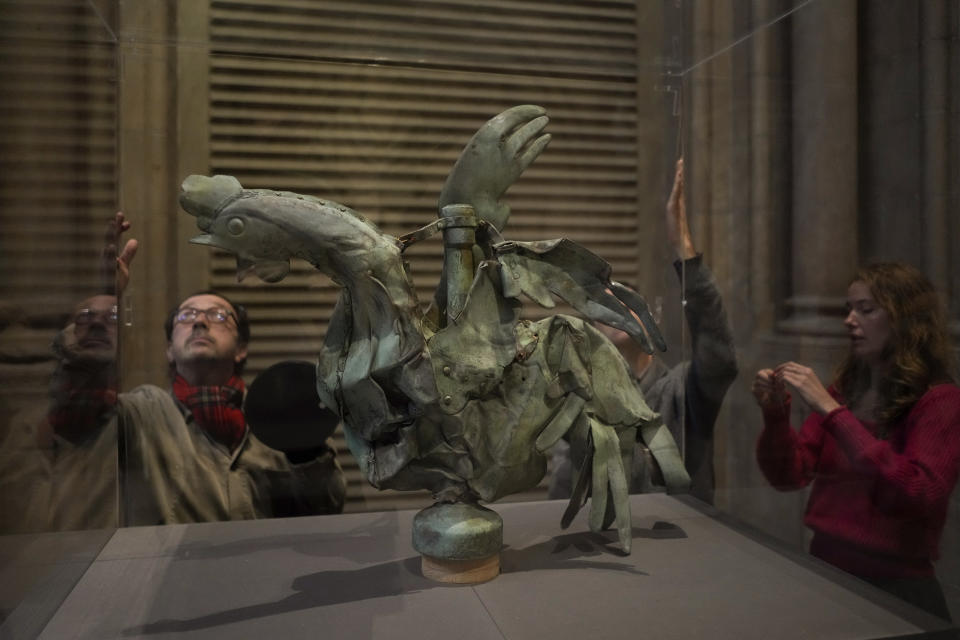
(769, 390)
(806, 383)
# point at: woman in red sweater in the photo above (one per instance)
(882, 444)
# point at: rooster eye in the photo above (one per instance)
(235, 226)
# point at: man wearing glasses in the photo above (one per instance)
(58, 461)
(95, 329)
(191, 456)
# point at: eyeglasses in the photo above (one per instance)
(87, 316)
(214, 314)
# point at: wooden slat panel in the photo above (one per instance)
(609, 17)
(581, 38)
(60, 21)
(57, 146)
(57, 179)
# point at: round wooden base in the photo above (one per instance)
(460, 571)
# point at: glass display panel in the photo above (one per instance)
(816, 136)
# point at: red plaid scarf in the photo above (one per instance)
(218, 410)
(80, 398)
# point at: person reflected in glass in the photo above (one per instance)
(86, 376)
(176, 455)
(688, 395)
(59, 461)
(882, 444)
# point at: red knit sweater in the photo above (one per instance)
(877, 507)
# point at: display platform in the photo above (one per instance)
(690, 575)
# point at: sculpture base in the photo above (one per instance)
(459, 542)
(460, 571)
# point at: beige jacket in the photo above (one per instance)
(149, 464)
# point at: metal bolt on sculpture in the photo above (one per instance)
(462, 399)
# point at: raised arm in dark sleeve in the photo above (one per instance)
(711, 370)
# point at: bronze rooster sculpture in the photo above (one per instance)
(463, 398)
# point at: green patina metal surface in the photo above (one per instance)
(457, 531)
(462, 399)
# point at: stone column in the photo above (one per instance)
(163, 93)
(144, 98)
(823, 229)
(940, 174)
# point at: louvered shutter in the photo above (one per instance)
(369, 104)
(57, 177)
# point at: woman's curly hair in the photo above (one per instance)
(919, 351)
